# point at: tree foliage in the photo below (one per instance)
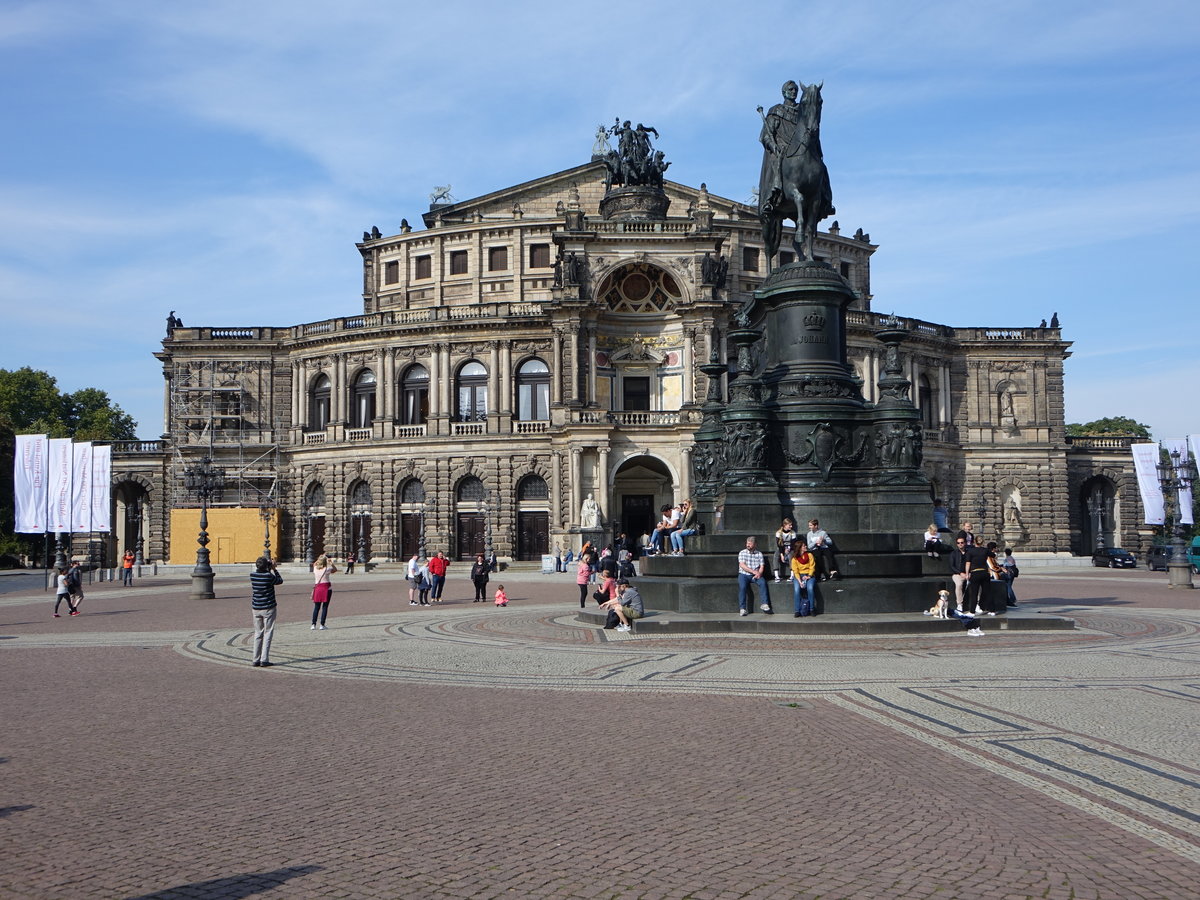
(31, 403)
(1113, 426)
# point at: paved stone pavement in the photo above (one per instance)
(469, 751)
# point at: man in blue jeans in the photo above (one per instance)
(750, 570)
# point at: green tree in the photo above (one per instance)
(1114, 426)
(31, 403)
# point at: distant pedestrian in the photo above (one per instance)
(501, 597)
(262, 604)
(75, 583)
(413, 576)
(351, 559)
(479, 577)
(127, 569)
(1011, 572)
(322, 590)
(63, 592)
(583, 574)
(437, 575)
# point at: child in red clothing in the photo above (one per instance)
(501, 597)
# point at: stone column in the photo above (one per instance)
(602, 484)
(689, 359)
(295, 392)
(591, 365)
(506, 378)
(943, 394)
(556, 489)
(496, 386)
(557, 366)
(338, 390)
(387, 385)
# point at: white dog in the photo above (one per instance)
(939, 609)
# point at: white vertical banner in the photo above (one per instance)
(1180, 446)
(81, 487)
(29, 484)
(1145, 464)
(101, 500)
(61, 459)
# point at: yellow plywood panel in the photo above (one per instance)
(234, 535)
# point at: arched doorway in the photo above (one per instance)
(1098, 515)
(471, 517)
(314, 521)
(411, 507)
(360, 521)
(642, 485)
(131, 521)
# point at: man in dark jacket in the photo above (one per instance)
(957, 562)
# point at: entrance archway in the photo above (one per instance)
(641, 485)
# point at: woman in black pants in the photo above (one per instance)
(479, 577)
(975, 567)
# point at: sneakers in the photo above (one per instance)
(312, 627)
(975, 632)
(979, 610)
(991, 614)
(622, 628)
(57, 616)
(266, 665)
(322, 628)
(777, 579)
(74, 612)
(765, 608)
(743, 612)
(412, 602)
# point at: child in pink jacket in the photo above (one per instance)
(501, 597)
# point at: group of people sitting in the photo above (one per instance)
(621, 600)
(973, 564)
(677, 524)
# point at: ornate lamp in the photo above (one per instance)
(204, 480)
(1177, 474)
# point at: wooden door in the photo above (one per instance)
(471, 535)
(533, 535)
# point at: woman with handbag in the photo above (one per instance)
(322, 590)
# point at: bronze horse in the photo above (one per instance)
(795, 183)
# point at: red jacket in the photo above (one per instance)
(438, 565)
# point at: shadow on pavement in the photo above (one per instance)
(246, 885)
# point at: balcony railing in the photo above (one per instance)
(468, 428)
(314, 437)
(1118, 442)
(409, 431)
(359, 434)
(532, 427)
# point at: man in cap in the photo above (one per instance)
(625, 608)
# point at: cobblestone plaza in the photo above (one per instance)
(467, 751)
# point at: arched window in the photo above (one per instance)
(925, 402)
(362, 405)
(414, 396)
(314, 497)
(533, 391)
(412, 491)
(470, 490)
(318, 403)
(360, 498)
(533, 487)
(472, 393)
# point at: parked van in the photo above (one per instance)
(1194, 555)
(1157, 558)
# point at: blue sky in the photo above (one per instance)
(221, 158)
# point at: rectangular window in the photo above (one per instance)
(391, 272)
(750, 259)
(458, 262)
(539, 256)
(424, 267)
(786, 256)
(637, 394)
(533, 402)
(845, 270)
(497, 259)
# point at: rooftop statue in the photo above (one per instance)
(794, 183)
(634, 162)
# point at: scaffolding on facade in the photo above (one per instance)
(223, 409)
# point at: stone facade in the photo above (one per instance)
(521, 352)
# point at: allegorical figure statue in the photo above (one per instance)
(635, 161)
(589, 515)
(794, 183)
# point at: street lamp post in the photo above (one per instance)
(139, 545)
(308, 535)
(204, 480)
(266, 511)
(1175, 475)
(1096, 511)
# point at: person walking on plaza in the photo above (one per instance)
(262, 605)
(127, 569)
(437, 574)
(750, 571)
(804, 570)
(63, 592)
(1010, 572)
(479, 577)
(75, 582)
(350, 560)
(322, 589)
